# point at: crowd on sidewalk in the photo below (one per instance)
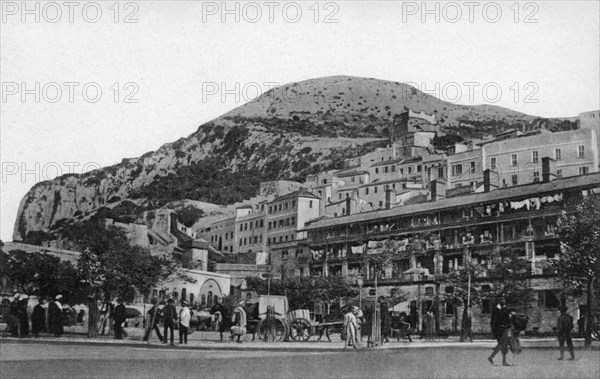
(51, 316)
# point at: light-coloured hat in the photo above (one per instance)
(23, 297)
(58, 297)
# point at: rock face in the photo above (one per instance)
(286, 133)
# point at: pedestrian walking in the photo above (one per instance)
(119, 318)
(405, 326)
(153, 319)
(239, 321)
(55, 317)
(386, 320)
(564, 327)
(184, 323)
(221, 317)
(500, 323)
(93, 316)
(351, 328)
(38, 318)
(170, 317)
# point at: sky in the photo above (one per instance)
(86, 84)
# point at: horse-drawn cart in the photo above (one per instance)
(278, 324)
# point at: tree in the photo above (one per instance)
(40, 275)
(578, 264)
(465, 292)
(510, 274)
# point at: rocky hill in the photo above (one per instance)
(287, 133)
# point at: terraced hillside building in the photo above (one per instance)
(459, 229)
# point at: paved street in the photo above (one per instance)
(46, 360)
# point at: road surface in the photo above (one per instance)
(59, 361)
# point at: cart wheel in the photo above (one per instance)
(334, 333)
(272, 330)
(300, 330)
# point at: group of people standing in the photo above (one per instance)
(44, 317)
(169, 316)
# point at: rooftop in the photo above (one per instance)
(509, 193)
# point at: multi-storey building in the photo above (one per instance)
(250, 230)
(518, 161)
(461, 229)
(286, 216)
(465, 169)
(220, 234)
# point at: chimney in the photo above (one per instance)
(438, 190)
(486, 180)
(548, 169)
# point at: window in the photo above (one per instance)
(456, 170)
(262, 223)
(269, 226)
(310, 204)
(580, 151)
(293, 220)
(515, 180)
(380, 204)
(375, 189)
(409, 170)
(472, 167)
(559, 173)
(419, 168)
(428, 290)
(286, 238)
(393, 168)
(241, 227)
(367, 191)
(270, 209)
(557, 154)
(548, 299)
(536, 176)
(535, 157)
(376, 170)
(353, 179)
(386, 169)
(513, 160)
(285, 206)
(493, 164)
(280, 206)
(340, 196)
(583, 170)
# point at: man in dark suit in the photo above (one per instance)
(170, 317)
(119, 317)
(500, 323)
(153, 319)
(55, 317)
(564, 326)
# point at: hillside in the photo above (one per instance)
(287, 133)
